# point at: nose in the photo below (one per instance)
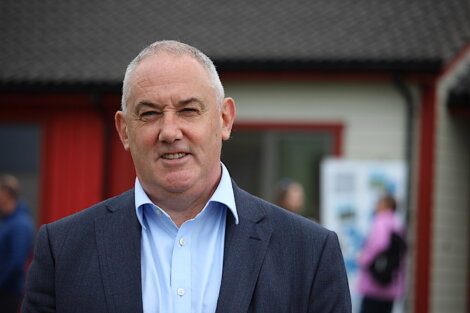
(170, 130)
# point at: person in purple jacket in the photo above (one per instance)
(377, 296)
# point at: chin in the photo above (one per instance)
(179, 183)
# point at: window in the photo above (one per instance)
(20, 146)
(258, 158)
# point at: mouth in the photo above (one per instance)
(174, 156)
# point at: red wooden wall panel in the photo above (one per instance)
(72, 173)
(121, 169)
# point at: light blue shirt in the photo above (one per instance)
(182, 267)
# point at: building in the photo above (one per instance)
(355, 79)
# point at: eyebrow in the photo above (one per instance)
(144, 103)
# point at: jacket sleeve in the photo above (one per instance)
(330, 290)
(40, 287)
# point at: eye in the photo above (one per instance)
(189, 111)
(148, 115)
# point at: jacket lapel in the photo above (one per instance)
(118, 240)
(245, 248)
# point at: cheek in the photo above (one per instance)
(216, 129)
(142, 138)
(216, 136)
(204, 134)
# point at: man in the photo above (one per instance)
(16, 240)
(186, 238)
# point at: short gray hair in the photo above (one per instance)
(174, 48)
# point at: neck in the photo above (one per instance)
(182, 207)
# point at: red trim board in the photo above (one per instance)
(425, 200)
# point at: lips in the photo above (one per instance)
(174, 156)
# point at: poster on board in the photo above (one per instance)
(349, 193)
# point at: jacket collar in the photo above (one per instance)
(245, 247)
(118, 241)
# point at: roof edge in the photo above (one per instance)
(431, 66)
(242, 65)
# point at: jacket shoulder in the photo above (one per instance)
(281, 220)
(88, 215)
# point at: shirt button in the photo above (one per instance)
(182, 242)
(180, 292)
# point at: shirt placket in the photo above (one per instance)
(181, 270)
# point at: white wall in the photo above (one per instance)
(373, 114)
(451, 212)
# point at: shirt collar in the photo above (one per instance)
(222, 194)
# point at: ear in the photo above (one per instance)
(121, 127)
(228, 113)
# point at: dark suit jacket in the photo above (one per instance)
(274, 261)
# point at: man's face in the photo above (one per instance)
(173, 126)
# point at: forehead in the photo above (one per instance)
(169, 68)
(163, 76)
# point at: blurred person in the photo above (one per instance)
(290, 195)
(16, 240)
(381, 287)
(186, 238)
